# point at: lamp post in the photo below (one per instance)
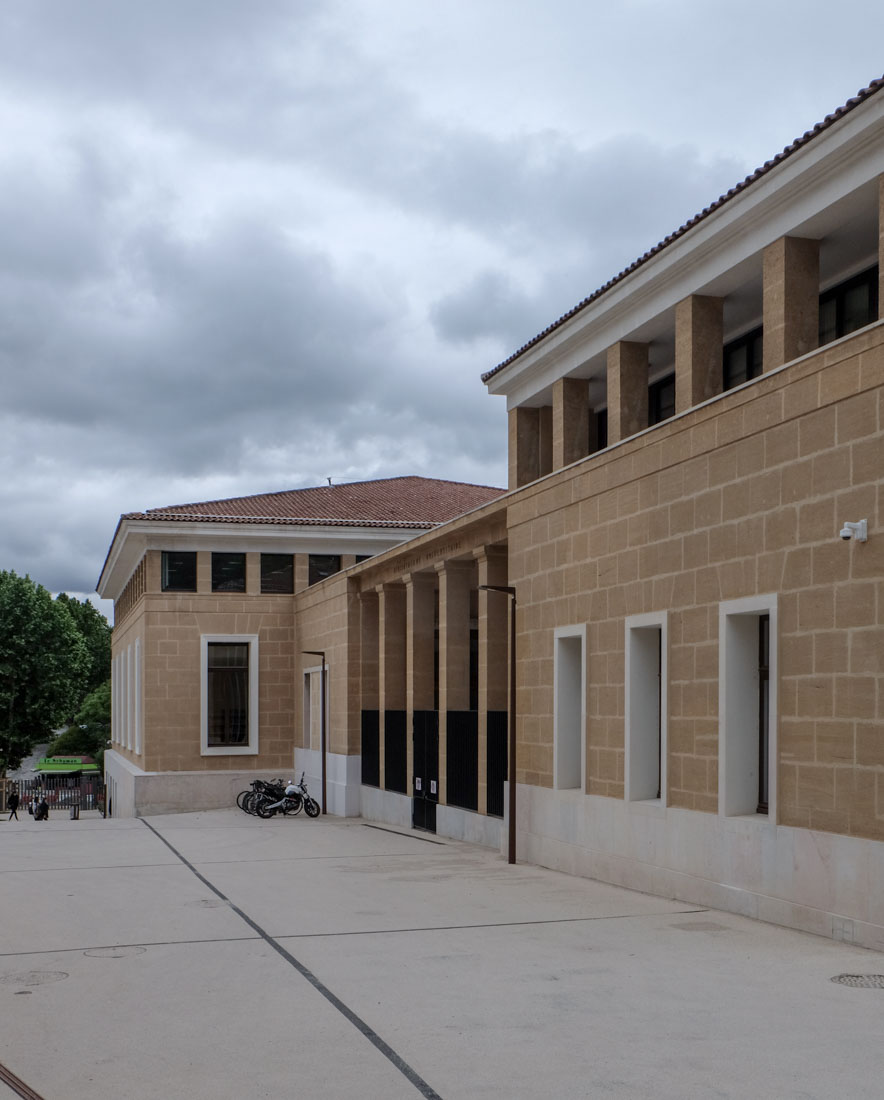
(320, 653)
(511, 751)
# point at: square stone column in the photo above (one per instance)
(420, 652)
(529, 444)
(570, 421)
(456, 580)
(791, 300)
(493, 652)
(420, 664)
(627, 389)
(302, 572)
(545, 427)
(391, 658)
(369, 687)
(699, 343)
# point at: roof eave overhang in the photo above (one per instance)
(836, 162)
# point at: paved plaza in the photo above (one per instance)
(214, 955)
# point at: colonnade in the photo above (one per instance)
(433, 679)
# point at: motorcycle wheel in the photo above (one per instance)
(241, 799)
(294, 806)
(262, 809)
(312, 807)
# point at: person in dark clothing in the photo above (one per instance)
(12, 805)
(41, 810)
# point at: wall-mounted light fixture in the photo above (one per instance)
(858, 531)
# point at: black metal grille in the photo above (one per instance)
(371, 748)
(395, 751)
(496, 761)
(61, 792)
(462, 758)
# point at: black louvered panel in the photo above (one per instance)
(462, 757)
(371, 748)
(496, 760)
(395, 752)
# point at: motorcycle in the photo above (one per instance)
(293, 800)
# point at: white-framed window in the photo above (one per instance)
(747, 703)
(130, 697)
(139, 717)
(646, 707)
(569, 720)
(115, 700)
(229, 694)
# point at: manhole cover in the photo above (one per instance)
(860, 981)
(113, 952)
(33, 978)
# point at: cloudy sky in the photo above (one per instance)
(246, 246)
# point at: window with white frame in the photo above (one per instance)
(748, 706)
(139, 717)
(569, 721)
(229, 694)
(646, 707)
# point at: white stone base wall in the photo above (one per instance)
(137, 793)
(818, 882)
(386, 806)
(343, 780)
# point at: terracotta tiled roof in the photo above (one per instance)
(860, 97)
(396, 502)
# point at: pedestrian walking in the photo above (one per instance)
(41, 810)
(12, 805)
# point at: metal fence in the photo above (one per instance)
(60, 791)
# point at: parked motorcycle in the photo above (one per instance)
(294, 798)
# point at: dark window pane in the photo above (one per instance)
(277, 573)
(362, 557)
(857, 308)
(849, 306)
(742, 359)
(228, 694)
(763, 712)
(179, 571)
(322, 566)
(828, 321)
(598, 430)
(661, 400)
(228, 572)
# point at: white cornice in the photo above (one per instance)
(134, 537)
(831, 167)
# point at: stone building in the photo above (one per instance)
(692, 546)
(206, 643)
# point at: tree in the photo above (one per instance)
(96, 633)
(43, 662)
(91, 728)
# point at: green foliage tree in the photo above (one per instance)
(96, 633)
(90, 730)
(43, 662)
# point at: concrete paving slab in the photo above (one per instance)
(215, 955)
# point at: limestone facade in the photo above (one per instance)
(699, 654)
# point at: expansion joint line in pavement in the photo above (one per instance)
(369, 1033)
(17, 1085)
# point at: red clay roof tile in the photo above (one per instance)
(400, 502)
